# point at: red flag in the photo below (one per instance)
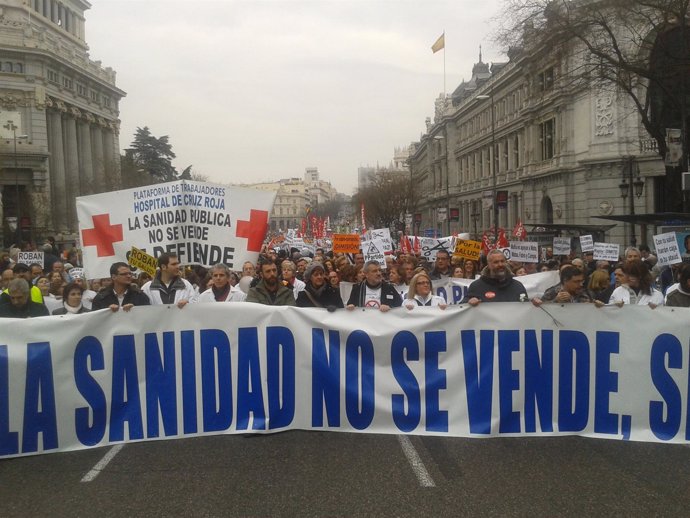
(502, 241)
(304, 226)
(404, 245)
(364, 219)
(486, 243)
(519, 230)
(417, 247)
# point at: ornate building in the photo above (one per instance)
(554, 153)
(59, 126)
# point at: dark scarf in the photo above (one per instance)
(222, 294)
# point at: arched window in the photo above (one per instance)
(546, 213)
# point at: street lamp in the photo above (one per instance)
(628, 187)
(439, 138)
(11, 126)
(493, 158)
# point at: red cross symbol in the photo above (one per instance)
(254, 229)
(102, 235)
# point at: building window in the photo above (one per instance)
(94, 96)
(546, 137)
(82, 90)
(53, 76)
(67, 83)
(516, 152)
(106, 101)
(545, 80)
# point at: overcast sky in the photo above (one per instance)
(253, 91)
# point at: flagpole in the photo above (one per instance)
(444, 66)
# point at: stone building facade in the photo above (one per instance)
(557, 153)
(59, 126)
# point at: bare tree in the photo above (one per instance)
(638, 48)
(386, 201)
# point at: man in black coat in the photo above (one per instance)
(123, 294)
(373, 291)
(20, 304)
(496, 283)
(318, 293)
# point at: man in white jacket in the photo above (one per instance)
(167, 287)
(221, 290)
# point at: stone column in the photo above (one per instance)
(97, 159)
(111, 178)
(57, 171)
(71, 165)
(85, 161)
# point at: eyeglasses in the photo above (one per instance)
(423, 283)
(128, 274)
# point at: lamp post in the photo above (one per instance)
(629, 187)
(493, 159)
(11, 126)
(475, 217)
(440, 139)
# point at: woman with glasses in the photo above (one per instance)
(419, 293)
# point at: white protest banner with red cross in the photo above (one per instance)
(201, 223)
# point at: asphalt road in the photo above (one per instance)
(342, 474)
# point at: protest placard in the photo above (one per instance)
(31, 258)
(587, 243)
(667, 251)
(346, 243)
(467, 249)
(384, 234)
(431, 245)
(143, 261)
(606, 251)
(373, 250)
(561, 246)
(524, 251)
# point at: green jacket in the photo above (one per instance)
(260, 295)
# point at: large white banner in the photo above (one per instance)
(501, 369)
(202, 223)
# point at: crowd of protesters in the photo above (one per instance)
(300, 278)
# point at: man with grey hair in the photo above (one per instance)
(373, 291)
(632, 254)
(496, 283)
(221, 290)
(20, 304)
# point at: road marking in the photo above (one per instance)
(415, 461)
(100, 466)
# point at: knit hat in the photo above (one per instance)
(310, 269)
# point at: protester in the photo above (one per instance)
(373, 291)
(334, 279)
(88, 294)
(395, 277)
(496, 283)
(71, 300)
(600, 286)
(458, 272)
(317, 293)
(442, 269)
(51, 301)
(570, 289)
(168, 287)
(5, 278)
(221, 289)
(121, 292)
(470, 268)
(248, 269)
(20, 304)
(680, 297)
(632, 254)
(419, 293)
(289, 271)
(638, 288)
(269, 291)
(22, 271)
(36, 271)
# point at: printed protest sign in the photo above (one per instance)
(431, 246)
(201, 223)
(30, 258)
(606, 251)
(384, 234)
(524, 251)
(373, 250)
(587, 243)
(467, 249)
(346, 243)
(561, 246)
(143, 261)
(667, 251)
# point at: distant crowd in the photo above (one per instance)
(301, 278)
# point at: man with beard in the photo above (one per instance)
(221, 290)
(318, 293)
(373, 291)
(268, 290)
(571, 288)
(496, 283)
